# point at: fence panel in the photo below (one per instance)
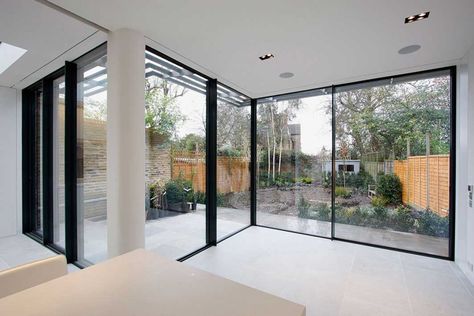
(232, 172)
(425, 182)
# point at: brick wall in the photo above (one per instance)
(92, 182)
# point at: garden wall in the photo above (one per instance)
(425, 182)
(93, 181)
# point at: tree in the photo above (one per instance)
(233, 128)
(192, 143)
(275, 119)
(161, 113)
(381, 119)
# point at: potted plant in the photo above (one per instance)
(178, 193)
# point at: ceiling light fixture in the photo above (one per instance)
(9, 54)
(409, 49)
(266, 56)
(417, 17)
(286, 75)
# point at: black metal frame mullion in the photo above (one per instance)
(253, 162)
(333, 164)
(28, 200)
(71, 160)
(211, 162)
(452, 165)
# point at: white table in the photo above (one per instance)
(143, 283)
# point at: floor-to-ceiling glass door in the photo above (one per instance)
(294, 144)
(394, 162)
(233, 161)
(370, 162)
(175, 157)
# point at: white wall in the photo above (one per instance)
(465, 166)
(10, 161)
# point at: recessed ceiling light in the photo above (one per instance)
(286, 75)
(8, 55)
(409, 49)
(266, 56)
(417, 17)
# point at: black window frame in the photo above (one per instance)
(452, 70)
(70, 72)
(29, 196)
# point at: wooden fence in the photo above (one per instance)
(425, 182)
(375, 167)
(233, 173)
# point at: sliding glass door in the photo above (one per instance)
(388, 181)
(92, 156)
(393, 160)
(294, 162)
(233, 161)
(175, 158)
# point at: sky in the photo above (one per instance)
(315, 124)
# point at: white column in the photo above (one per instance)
(125, 142)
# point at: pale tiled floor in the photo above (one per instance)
(329, 277)
(20, 249)
(338, 278)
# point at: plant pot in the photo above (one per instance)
(182, 207)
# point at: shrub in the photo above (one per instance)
(229, 152)
(303, 208)
(200, 198)
(362, 180)
(403, 219)
(155, 190)
(305, 180)
(430, 223)
(284, 179)
(381, 218)
(389, 187)
(379, 201)
(322, 211)
(179, 190)
(327, 180)
(342, 192)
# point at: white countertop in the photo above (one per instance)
(144, 283)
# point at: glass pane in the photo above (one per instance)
(392, 162)
(38, 210)
(175, 122)
(233, 161)
(294, 144)
(92, 157)
(58, 162)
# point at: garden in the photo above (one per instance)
(383, 211)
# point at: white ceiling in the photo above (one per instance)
(49, 36)
(322, 42)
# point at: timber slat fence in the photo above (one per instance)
(233, 173)
(425, 182)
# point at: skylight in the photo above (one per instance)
(8, 55)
